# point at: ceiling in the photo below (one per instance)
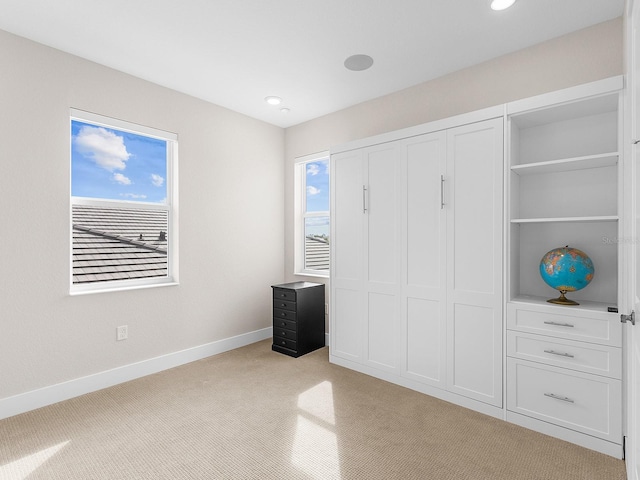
(234, 53)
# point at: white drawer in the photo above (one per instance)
(582, 402)
(565, 322)
(585, 357)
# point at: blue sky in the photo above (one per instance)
(317, 182)
(112, 164)
(317, 186)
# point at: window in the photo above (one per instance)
(312, 215)
(123, 201)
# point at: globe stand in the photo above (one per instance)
(562, 300)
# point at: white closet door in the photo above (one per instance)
(423, 307)
(347, 267)
(382, 221)
(633, 293)
(473, 199)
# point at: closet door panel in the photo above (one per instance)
(382, 341)
(474, 195)
(477, 211)
(424, 213)
(347, 216)
(346, 331)
(382, 215)
(347, 267)
(474, 334)
(424, 259)
(382, 256)
(425, 341)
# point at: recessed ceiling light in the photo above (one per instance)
(359, 62)
(501, 4)
(285, 110)
(273, 100)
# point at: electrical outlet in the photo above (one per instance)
(122, 332)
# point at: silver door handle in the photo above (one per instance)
(364, 199)
(557, 324)
(561, 354)
(441, 192)
(559, 397)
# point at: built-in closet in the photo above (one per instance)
(437, 235)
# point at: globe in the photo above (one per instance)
(567, 270)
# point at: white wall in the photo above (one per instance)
(584, 56)
(232, 181)
(230, 221)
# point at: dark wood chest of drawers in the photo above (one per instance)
(298, 318)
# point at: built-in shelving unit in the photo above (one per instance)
(567, 164)
(563, 188)
(602, 218)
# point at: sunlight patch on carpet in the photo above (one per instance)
(318, 401)
(20, 469)
(315, 446)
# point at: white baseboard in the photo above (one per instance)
(582, 439)
(42, 397)
(460, 400)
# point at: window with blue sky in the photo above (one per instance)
(113, 164)
(317, 198)
(122, 204)
(312, 228)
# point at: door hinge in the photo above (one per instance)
(629, 318)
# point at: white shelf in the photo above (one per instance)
(601, 218)
(567, 164)
(600, 307)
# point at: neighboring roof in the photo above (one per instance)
(118, 243)
(316, 253)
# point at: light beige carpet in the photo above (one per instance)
(255, 414)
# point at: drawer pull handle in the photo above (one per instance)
(558, 324)
(283, 304)
(284, 324)
(562, 354)
(558, 397)
(283, 314)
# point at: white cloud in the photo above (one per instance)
(313, 169)
(133, 196)
(311, 190)
(103, 147)
(157, 180)
(121, 179)
(317, 221)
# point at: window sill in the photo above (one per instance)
(73, 291)
(313, 274)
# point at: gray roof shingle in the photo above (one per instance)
(316, 253)
(114, 243)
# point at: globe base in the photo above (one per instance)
(562, 300)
